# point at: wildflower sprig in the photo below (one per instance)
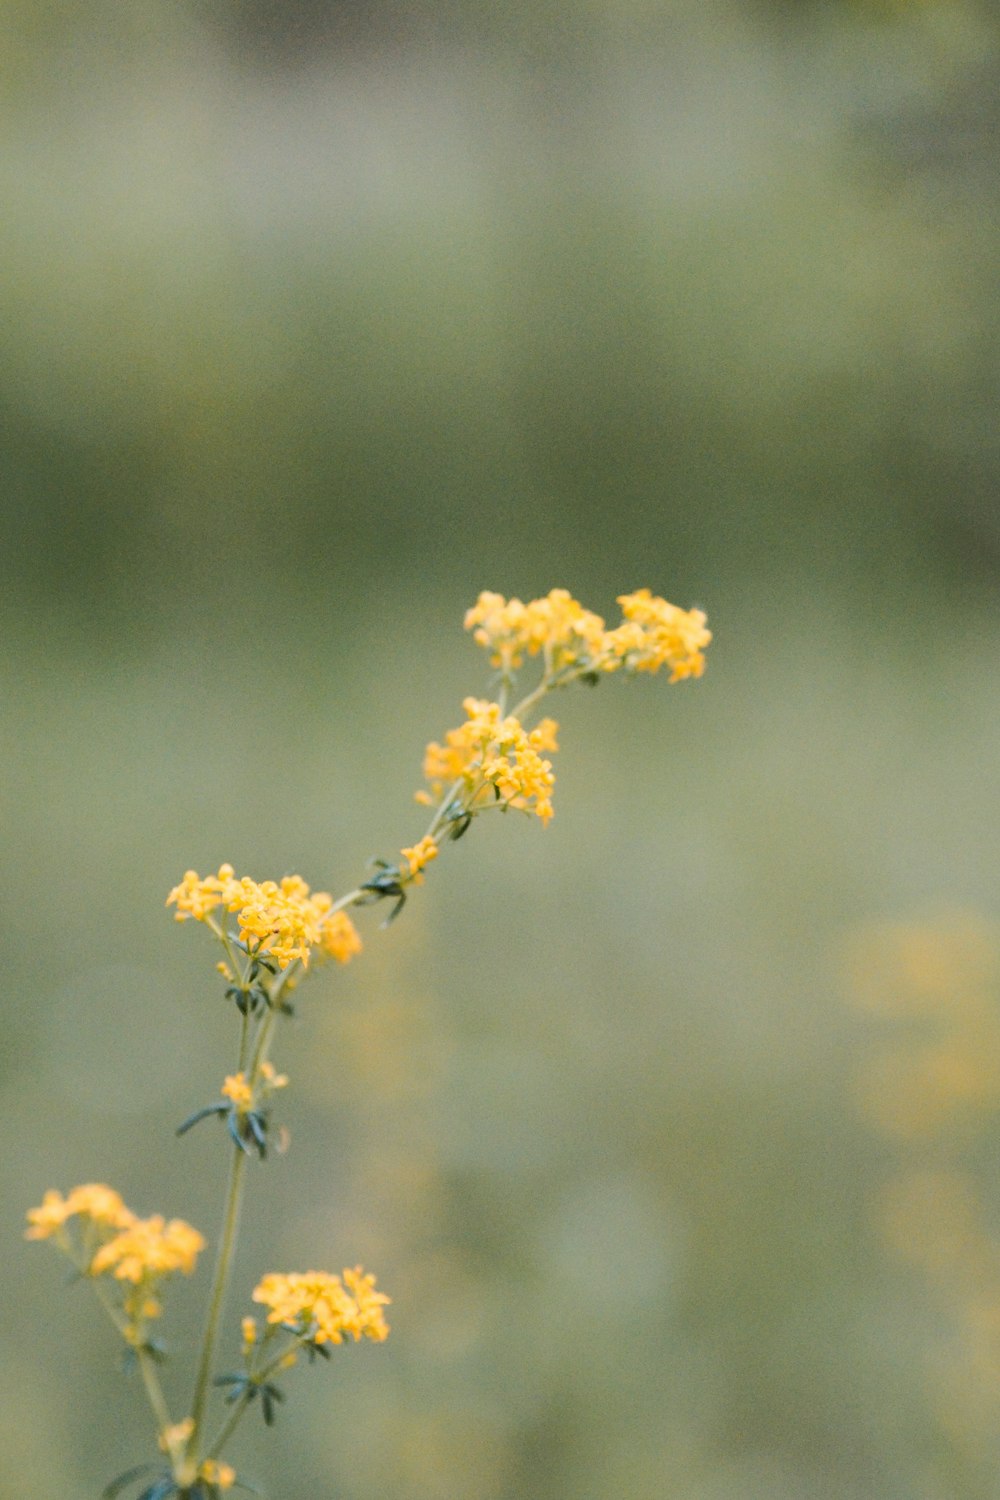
(244, 1107)
(272, 934)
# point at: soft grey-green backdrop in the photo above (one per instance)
(318, 319)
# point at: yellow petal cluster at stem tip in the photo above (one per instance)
(494, 755)
(172, 1439)
(558, 625)
(322, 1307)
(281, 919)
(237, 1088)
(222, 1476)
(419, 856)
(148, 1249)
(652, 634)
(93, 1200)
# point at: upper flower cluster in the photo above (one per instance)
(323, 1308)
(497, 759)
(652, 634)
(281, 920)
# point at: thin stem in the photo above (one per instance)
(228, 1427)
(223, 1263)
(154, 1391)
(150, 1378)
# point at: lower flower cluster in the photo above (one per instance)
(323, 1309)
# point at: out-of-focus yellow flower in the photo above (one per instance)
(497, 759)
(419, 856)
(271, 1077)
(319, 1307)
(238, 1090)
(93, 1200)
(148, 1249)
(280, 919)
(172, 1439)
(339, 937)
(249, 1330)
(221, 1475)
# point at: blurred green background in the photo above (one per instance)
(318, 319)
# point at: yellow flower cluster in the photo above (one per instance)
(498, 760)
(240, 1091)
(222, 1476)
(137, 1251)
(323, 1308)
(93, 1201)
(149, 1248)
(557, 624)
(652, 634)
(419, 856)
(280, 919)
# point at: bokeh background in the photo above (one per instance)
(671, 1129)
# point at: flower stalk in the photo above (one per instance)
(272, 933)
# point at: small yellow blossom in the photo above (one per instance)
(149, 1248)
(558, 625)
(340, 938)
(321, 1308)
(93, 1200)
(280, 919)
(249, 1330)
(272, 1079)
(655, 634)
(172, 1439)
(222, 1476)
(238, 1090)
(419, 856)
(497, 760)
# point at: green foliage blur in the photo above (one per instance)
(318, 320)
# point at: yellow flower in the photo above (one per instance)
(339, 937)
(281, 919)
(93, 1200)
(272, 1079)
(497, 760)
(655, 633)
(173, 1438)
(249, 1330)
(148, 1249)
(321, 1309)
(420, 855)
(652, 634)
(238, 1090)
(221, 1475)
(558, 625)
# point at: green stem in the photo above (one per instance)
(150, 1378)
(229, 1426)
(223, 1263)
(154, 1391)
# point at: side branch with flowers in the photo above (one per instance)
(270, 933)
